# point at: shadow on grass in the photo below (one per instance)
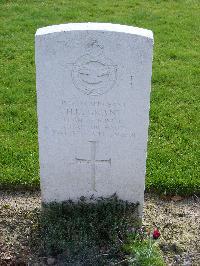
(85, 233)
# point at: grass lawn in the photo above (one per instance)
(173, 164)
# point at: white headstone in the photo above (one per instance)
(93, 94)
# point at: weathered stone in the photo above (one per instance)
(93, 91)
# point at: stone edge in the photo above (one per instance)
(92, 26)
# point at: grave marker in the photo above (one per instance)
(93, 93)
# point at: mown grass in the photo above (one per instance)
(173, 164)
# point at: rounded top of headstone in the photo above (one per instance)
(92, 26)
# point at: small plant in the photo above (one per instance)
(88, 231)
(101, 231)
(156, 233)
(142, 247)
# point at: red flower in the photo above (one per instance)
(156, 233)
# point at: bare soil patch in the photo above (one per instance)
(179, 222)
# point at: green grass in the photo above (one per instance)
(173, 164)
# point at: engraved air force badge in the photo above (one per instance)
(94, 74)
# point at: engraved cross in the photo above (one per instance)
(93, 162)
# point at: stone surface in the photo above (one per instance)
(93, 93)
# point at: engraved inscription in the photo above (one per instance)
(93, 74)
(95, 118)
(92, 118)
(93, 162)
